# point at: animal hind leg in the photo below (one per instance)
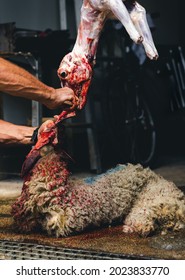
(138, 17)
(160, 217)
(119, 10)
(139, 221)
(160, 206)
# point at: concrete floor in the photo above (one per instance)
(108, 240)
(172, 168)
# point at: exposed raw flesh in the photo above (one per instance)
(75, 70)
(76, 67)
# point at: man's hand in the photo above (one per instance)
(62, 97)
(19, 82)
(11, 134)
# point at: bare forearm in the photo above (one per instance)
(18, 82)
(15, 134)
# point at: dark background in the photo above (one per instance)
(51, 44)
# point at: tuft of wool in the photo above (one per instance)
(54, 202)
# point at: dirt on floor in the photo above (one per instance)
(110, 239)
(107, 240)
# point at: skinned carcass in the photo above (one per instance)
(75, 70)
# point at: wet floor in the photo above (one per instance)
(108, 240)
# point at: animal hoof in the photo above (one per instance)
(128, 229)
(155, 57)
(152, 56)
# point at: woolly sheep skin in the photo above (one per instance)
(54, 202)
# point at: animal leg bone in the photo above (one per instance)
(120, 12)
(138, 17)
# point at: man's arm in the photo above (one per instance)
(18, 82)
(15, 134)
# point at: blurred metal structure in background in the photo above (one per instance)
(176, 68)
(18, 111)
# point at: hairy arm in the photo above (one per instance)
(16, 81)
(15, 134)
